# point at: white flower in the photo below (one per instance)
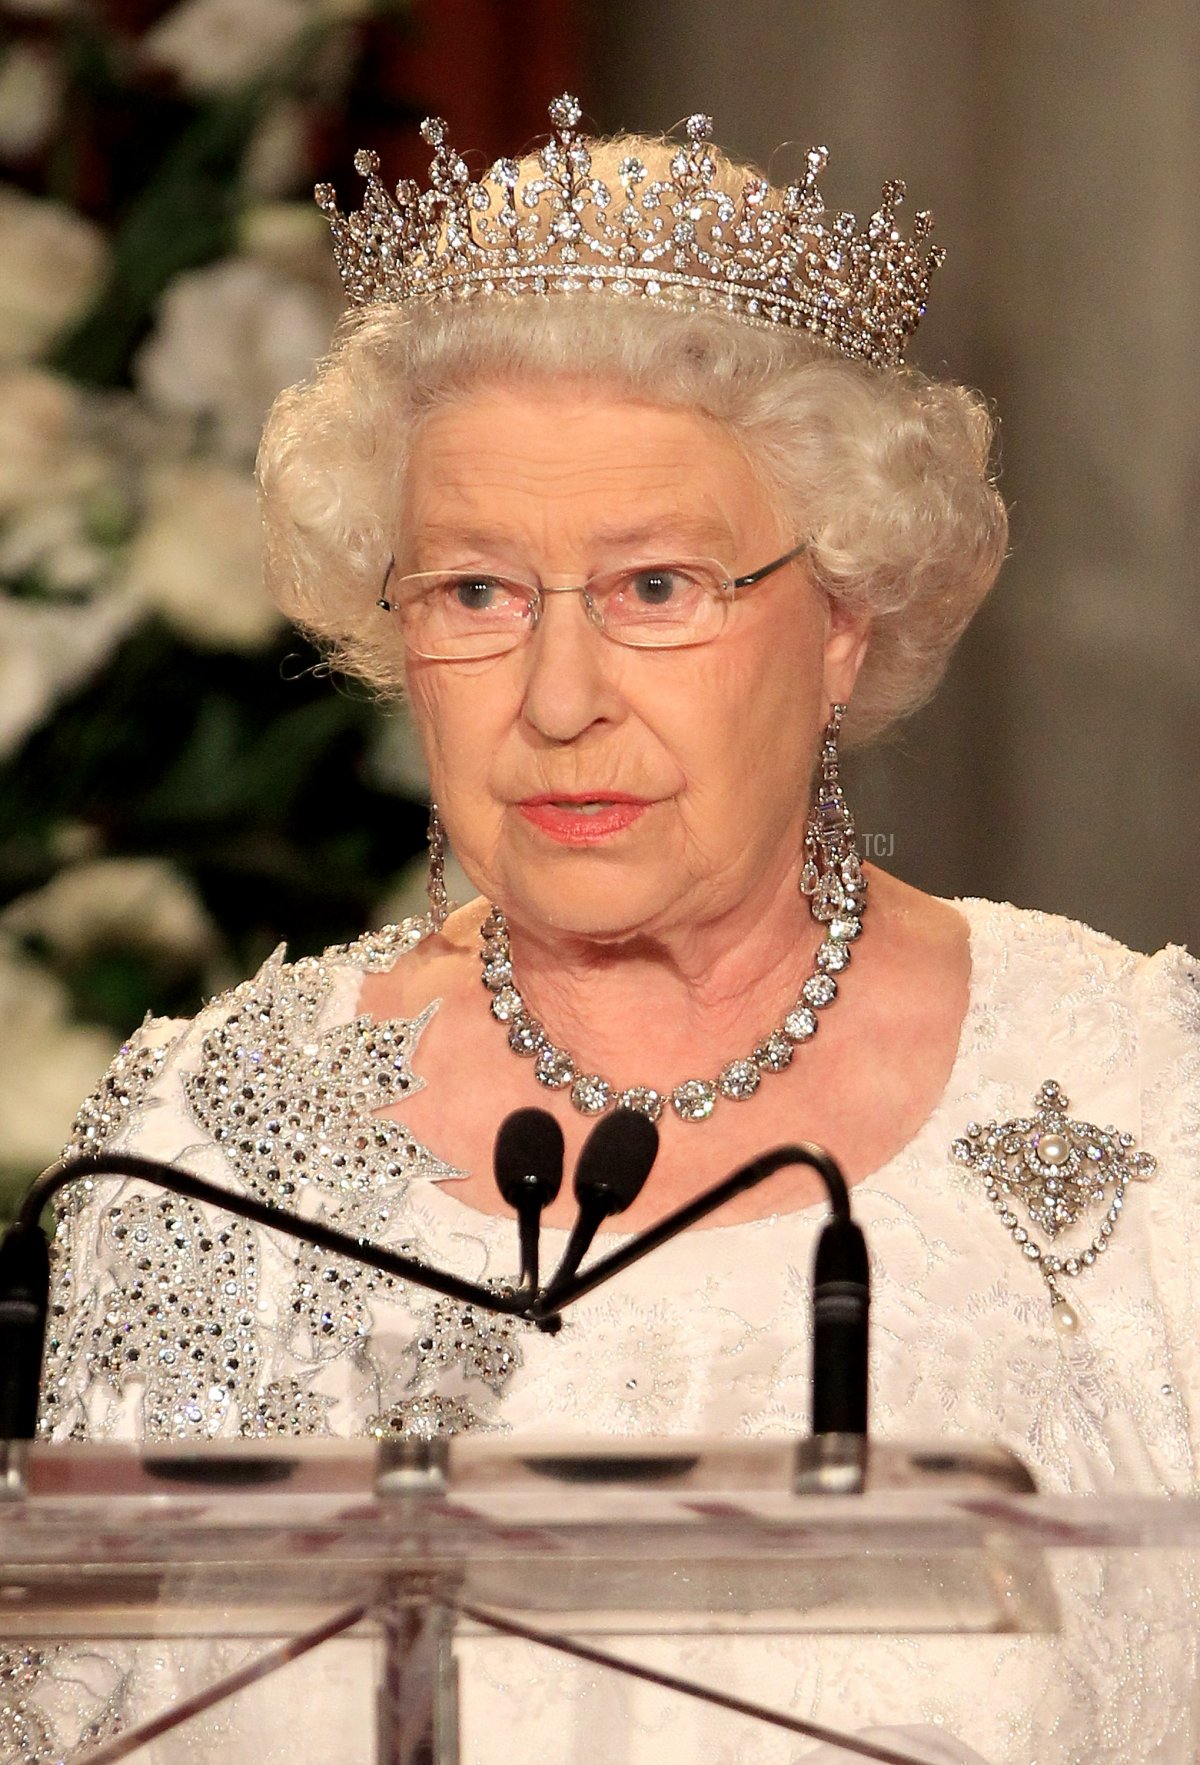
(48, 1063)
(51, 264)
(228, 339)
(106, 902)
(43, 456)
(30, 94)
(51, 540)
(212, 45)
(277, 158)
(197, 557)
(71, 465)
(46, 651)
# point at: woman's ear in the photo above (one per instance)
(847, 635)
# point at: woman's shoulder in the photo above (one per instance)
(289, 997)
(1027, 946)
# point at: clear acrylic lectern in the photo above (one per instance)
(358, 1599)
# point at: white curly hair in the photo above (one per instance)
(882, 471)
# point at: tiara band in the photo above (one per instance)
(767, 257)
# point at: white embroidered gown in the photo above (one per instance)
(272, 1089)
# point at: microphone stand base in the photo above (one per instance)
(14, 1470)
(831, 1464)
(851, 1464)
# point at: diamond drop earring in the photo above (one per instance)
(435, 884)
(832, 876)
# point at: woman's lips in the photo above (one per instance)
(582, 820)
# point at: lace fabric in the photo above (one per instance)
(273, 1089)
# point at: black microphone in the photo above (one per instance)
(528, 1162)
(616, 1159)
(840, 1306)
(24, 1301)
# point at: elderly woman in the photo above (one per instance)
(617, 473)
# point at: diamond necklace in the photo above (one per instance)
(841, 909)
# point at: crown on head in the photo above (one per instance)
(766, 256)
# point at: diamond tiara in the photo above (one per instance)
(764, 255)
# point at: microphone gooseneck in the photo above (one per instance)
(613, 1166)
(528, 1166)
(747, 1176)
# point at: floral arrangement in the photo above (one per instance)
(179, 787)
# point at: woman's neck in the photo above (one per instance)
(655, 1009)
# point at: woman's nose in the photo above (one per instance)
(569, 679)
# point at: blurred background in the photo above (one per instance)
(179, 789)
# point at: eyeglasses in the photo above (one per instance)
(465, 615)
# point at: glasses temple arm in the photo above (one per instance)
(769, 569)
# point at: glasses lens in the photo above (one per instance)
(462, 613)
(660, 606)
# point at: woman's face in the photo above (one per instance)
(708, 750)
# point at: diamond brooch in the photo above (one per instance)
(1050, 1174)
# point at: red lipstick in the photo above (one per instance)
(583, 818)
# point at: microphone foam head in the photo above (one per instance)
(617, 1158)
(529, 1144)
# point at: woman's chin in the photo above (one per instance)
(605, 908)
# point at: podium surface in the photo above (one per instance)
(418, 1554)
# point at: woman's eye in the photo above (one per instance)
(654, 588)
(474, 594)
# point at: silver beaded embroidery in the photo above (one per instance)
(1056, 1171)
(184, 1324)
(424, 1417)
(120, 1093)
(477, 1343)
(285, 1407)
(35, 1681)
(292, 1108)
(25, 1732)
